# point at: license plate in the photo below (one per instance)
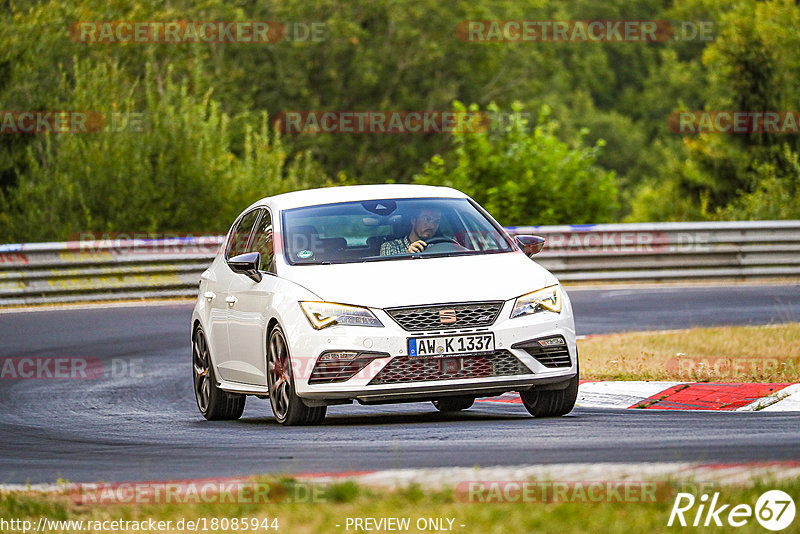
(447, 345)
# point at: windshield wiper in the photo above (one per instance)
(392, 257)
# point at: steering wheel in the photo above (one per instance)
(441, 240)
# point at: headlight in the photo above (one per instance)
(325, 314)
(548, 298)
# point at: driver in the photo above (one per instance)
(424, 225)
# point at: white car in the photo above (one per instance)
(378, 294)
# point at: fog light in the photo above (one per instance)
(552, 342)
(338, 356)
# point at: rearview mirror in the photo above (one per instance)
(530, 244)
(247, 264)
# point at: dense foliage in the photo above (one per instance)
(521, 175)
(596, 145)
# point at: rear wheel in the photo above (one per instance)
(287, 407)
(213, 403)
(453, 404)
(551, 402)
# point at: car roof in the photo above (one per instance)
(351, 193)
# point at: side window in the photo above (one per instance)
(240, 236)
(262, 242)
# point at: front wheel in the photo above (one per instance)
(213, 403)
(551, 402)
(287, 407)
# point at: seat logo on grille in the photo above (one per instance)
(447, 316)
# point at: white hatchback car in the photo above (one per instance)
(379, 294)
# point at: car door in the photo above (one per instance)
(223, 301)
(248, 315)
(217, 279)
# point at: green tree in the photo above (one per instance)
(524, 174)
(752, 65)
(171, 170)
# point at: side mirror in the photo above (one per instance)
(530, 244)
(247, 264)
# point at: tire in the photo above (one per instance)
(551, 402)
(287, 407)
(214, 404)
(453, 404)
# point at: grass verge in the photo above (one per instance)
(723, 354)
(335, 504)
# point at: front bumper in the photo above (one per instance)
(437, 391)
(307, 344)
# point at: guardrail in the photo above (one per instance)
(141, 268)
(34, 273)
(669, 251)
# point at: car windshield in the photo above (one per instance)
(382, 230)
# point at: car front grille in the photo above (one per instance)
(426, 318)
(404, 369)
(551, 356)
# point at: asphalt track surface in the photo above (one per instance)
(144, 425)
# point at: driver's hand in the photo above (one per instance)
(417, 246)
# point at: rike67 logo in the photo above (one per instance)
(774, 510)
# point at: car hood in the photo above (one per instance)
(384, 284)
